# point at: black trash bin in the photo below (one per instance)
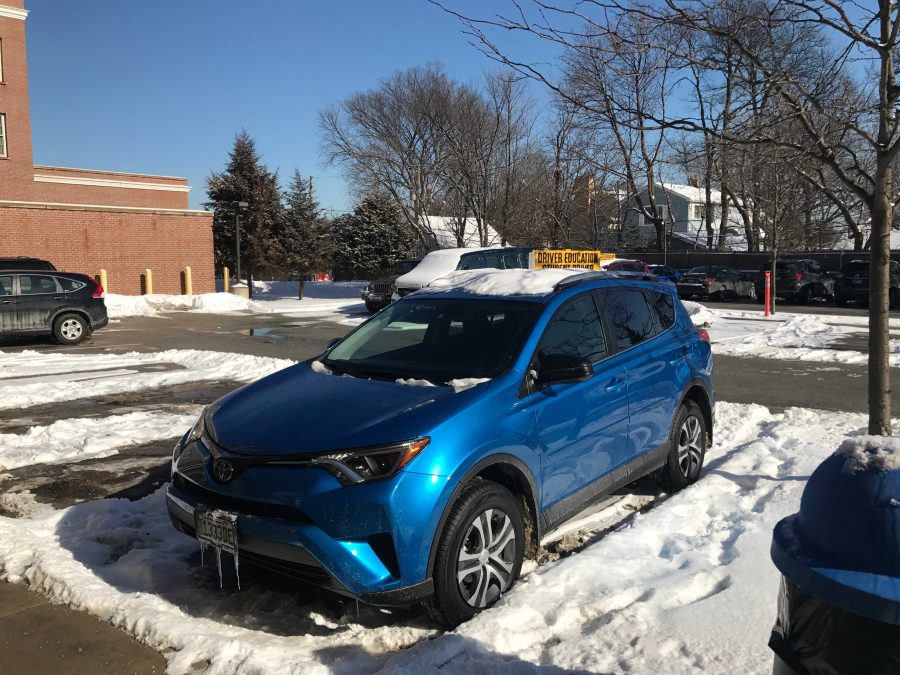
(839, 603)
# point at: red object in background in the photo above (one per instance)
(768, 293)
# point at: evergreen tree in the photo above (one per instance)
(304, 238)
(372, 239)
(245, 179)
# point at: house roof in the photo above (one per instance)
(443, 228)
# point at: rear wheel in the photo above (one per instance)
(479, 553)
(687, 448)
(840, 300)
(804, 297)
(70, 329)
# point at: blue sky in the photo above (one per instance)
(162, 86)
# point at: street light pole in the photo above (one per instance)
(237, 235)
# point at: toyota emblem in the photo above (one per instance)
(223, 470)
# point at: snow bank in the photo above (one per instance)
(85, 438)
(686, 586)
(701, 315)
(121, 306)
(33, 378)
(870, 453)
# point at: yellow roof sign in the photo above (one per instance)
(570, 259)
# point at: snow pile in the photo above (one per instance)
(33, 378)
(701, 315)
(121, 306)
(459, 384)
(313, 290)
(85, 438)
(686, 586)
(870, 453)
(502, 282)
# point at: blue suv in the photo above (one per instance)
(424, 455)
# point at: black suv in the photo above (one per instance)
(796, 281)
(853, 284)
(24, 263)
(36, 302)
(713, 281)
(377, 294)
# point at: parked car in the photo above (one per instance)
(666, 273)
(623, 265)
(378, 293)
(24, 263)
(714, 282)
(435, 264)
(852, 285)
(65, 305)
(497, 258)
(422, 455)
(800, 281)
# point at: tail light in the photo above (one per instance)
(798, 276)
(703, 334)
(98, 292)
(709, 280)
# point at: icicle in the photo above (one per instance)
(237, 573)
(357, 610)
(219, 564)
(202, 551)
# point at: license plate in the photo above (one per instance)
(218, 529)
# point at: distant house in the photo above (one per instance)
(683, 207)
(443, 232)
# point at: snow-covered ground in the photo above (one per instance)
(685, 586)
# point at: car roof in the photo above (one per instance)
(523, 284)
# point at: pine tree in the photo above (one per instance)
(245, 179)
(372, 239)
(304, 238)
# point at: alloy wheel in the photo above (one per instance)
(689, 445)
(486, 558)
(71, 329)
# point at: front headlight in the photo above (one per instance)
(198, 429)
(367, 464)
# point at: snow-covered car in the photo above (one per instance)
(435, 264)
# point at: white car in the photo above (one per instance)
(435, 264)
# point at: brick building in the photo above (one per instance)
(84, 220)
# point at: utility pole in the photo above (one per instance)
(311, 190)
(239, 206)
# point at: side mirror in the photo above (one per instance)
(557, 368)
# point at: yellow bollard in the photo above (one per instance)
(148, 282)
(188, 284)
(103, 281)
(226, 279)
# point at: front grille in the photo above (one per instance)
(381, 288)
(310, 573)
(246, 506)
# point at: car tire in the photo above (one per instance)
(371, 307)
(70, 329)
(494, 568)
(687, 448)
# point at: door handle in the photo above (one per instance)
(7, 302)
(59, 297)
(614, 386)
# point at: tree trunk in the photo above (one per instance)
(879, 366)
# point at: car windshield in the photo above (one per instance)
(437, 340)
(702, 270)
(405, 266)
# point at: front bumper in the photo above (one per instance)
(369, 541)
(376, 299)
(689, 290)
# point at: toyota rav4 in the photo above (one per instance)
(424, 455)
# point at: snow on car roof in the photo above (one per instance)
(502, 282)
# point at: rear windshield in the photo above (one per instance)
(857, 267)
(702, 270)
(780, 266)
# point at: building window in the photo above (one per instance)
(698, 211)
(3, 135)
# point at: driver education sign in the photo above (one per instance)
(570, 259)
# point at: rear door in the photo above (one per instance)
(9, 318)
(650, 358)
(39, 298)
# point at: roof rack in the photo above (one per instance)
(584, 277)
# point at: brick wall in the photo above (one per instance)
(17, 170)
(122, 242)
(167, 192)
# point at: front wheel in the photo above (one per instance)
(687, 448)
(70, 329)
(479, 554)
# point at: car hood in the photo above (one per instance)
(299, 412)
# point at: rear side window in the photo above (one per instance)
(32, 284)
(470, 262)
(575, 331)
(663, 306)
(69, 285)
(492, 260)
(629, 315)
(6, 285)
